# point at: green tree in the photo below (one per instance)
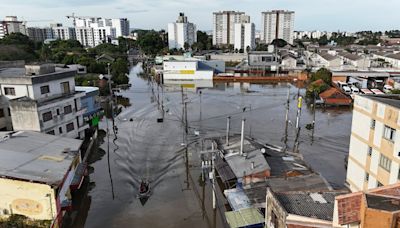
(323, 74)
(279, 43)
(119, 70)
(151, 42)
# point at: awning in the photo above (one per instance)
(245, 218)
(78, 177)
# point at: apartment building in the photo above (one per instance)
(39, 34)
(181, 32)
(245, 36)
(42, 98)
(277, 24)
(11, 24)
(62, 32)
(374, 153)
(224, 26)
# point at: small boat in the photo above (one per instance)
(144, 189)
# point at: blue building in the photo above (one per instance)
(89, 101)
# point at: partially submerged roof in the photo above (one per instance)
(318, 205)
(244, 218)
(36, 157)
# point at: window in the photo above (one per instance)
(385, 162)
(1, 113)
(47, 116)
(70, 127)
(65, 87)
(379, 184)
(389, 133)
(9, 91)
(67, 109)
(58, 112)
(369, 151)
(366, 177)
(52, 132)
(60, 130)
(44, 89)
(373, 122)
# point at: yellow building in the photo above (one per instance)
(37, 173)
(374, 153)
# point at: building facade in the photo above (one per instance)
(245, 36)
(40, 34)
(63, 33)
(374, 153)
(42, 98)
(181, 32)
(121, 26)
(277, 24)
(224, 26)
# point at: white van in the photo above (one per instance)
(355, 90)
(387, 88)
(346, 90)
(342, 84)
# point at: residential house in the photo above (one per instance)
(38, 173)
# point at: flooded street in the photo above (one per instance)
(139, 147)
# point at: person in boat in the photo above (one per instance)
(144, 186)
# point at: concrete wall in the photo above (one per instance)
(273, 207)
(25, 116)
(55, 88)
(181, 65)
(36, 201)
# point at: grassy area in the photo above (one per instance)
(23, 221)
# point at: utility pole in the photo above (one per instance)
(242, 137)
(228, 126)
(313, 122)
(213, 175)
(296, 142)
(287, 116)
(183, 107)
(186, 119)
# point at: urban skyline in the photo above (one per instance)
(314, 15)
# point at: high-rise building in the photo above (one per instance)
(374, 153)
(11, 24)
(181, 32)
(62, 32)
(39, 34)
(224, 26)
(121, 26)
(277, 24)
(245, 36)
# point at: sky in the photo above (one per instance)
(324, 15)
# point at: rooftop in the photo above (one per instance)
(383, 202)
(350, 56)
(37, 157)
(9, 75)
(318, 205)
(241, 165)
(327, 56)
(389, 99)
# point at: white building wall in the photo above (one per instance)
(356, 175)
(374, 162)
(359, 150)
(277, 25)
(378, 133)
(358, 125)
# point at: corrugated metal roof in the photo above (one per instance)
(244, 217)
